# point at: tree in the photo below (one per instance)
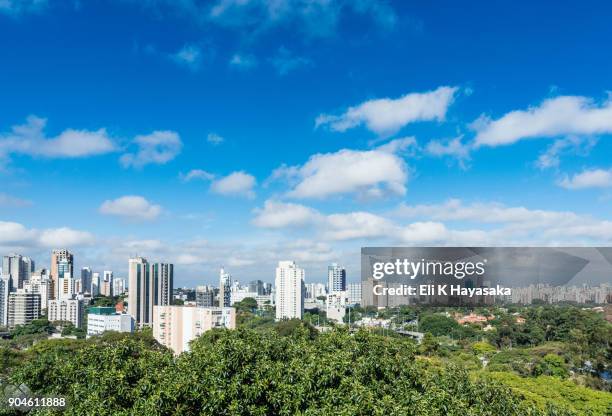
(551, 365)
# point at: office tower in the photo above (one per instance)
(354, 293)
(86, 276)
(141, 291)
(106, 285)
(205, 296)
(39, 283)
(336, 278)
(267, 288)
(162, 275)
(95, 284)
(289, 291)
(66, 310)
(118, 286)
(225, 288)
(18, 268)
(175, 326)
(314, 290)
(101, 319)
(5, 290)
(62, 261)
(23, 308)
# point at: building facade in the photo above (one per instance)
(176, 326)
(103, 319)
(66, 310)
(289, 291)
(336, 278)
(23, 308)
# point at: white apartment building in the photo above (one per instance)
(314, 290)
(354, 293)
(66, 310)
(175, 326)
(42, 286)
(118, 286)
(336, 278)
(289, 291)
(5, 290)
(98, 323)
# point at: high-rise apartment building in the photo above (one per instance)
(40, 283)
(66, 310)
(118, 286)
(95, 284)
(354, 293)
(162, 275)
(106, 285)
(23, 308)
(176, 326)
(65, 286)
(336, 278)
(289, 291)
(62, 262)
(141, 292)
(5, 290)
(225, 288)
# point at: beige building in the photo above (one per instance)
(175, 326)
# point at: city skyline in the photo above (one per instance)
(209, 134)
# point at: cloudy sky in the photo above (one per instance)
(243, 132)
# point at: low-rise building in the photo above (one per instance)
(101, 319)
(66, 310)
(175, 326)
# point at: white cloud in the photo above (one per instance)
(404, 145)
(18, 7)
(559, 116)
(571, 144)
(132, 207)
(16, 235)
(355, 225)
(347, 171)
(30, 139)
(236, 183)
(276, 214)
(452, 147)
(214, 139)
(594, 178)
(11, 201)
(197, 174)
(386, 116)
(189, 56)
(241, 61)
(158, 147)
(285, 61)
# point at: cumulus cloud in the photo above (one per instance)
(197, 174)
(189, 56)
(30, 139)
(16, 235)
(276, 214)
(347, 171)
(159, 147)
(132, 207)
(559, 116)
(593, 178)
(236, 183)
(386, 116)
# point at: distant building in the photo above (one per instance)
(5, 290)
(103, 319)
(65, 288)
(225, 288)
(336, 278)
(205, 296)
(314, 290)
(354, 293)
(118, 286)
(290, 290)
(141, 293)
(41, 284)
(86, 276)
(23, 308)
(62, 261)
(175, 326)
(18, 268)
(66, 310)
(106, 285)
(257, 286)
(95, 284)
(162, 276)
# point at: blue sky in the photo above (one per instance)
(243, 132)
